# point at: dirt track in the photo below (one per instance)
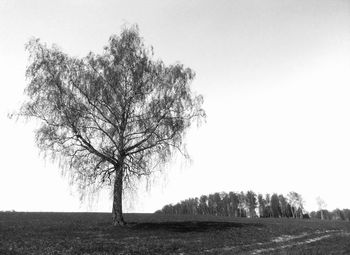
(280, 243)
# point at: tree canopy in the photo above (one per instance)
(110, 117)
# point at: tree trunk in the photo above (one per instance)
(293, 212)
(117, 211)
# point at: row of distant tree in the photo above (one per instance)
(240, 204)
(336, 214)
(250, 204)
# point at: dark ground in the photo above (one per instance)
(92, 233)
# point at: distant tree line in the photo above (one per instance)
(336, 214)
(251, 204)
(240, 204)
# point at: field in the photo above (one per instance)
(92, 233)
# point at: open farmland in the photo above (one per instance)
(92, 233)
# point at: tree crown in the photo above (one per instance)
(119, 107)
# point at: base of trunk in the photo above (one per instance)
(118, 219)
(119, 223)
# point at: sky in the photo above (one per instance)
(276, 84)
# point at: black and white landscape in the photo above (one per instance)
(175, 127)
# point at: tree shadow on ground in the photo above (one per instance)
(191, 226)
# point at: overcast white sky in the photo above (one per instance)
(275, 76)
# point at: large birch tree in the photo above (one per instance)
(112, 117)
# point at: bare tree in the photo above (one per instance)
(109, 118)
(283, 205)
(321, 206)
(203, 204)
(262, 206)
(251, 203)
(275, 206)
(296, 201)
(234, 201)
(242, 205)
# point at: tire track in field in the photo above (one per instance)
(284, 241)
(324, 235)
